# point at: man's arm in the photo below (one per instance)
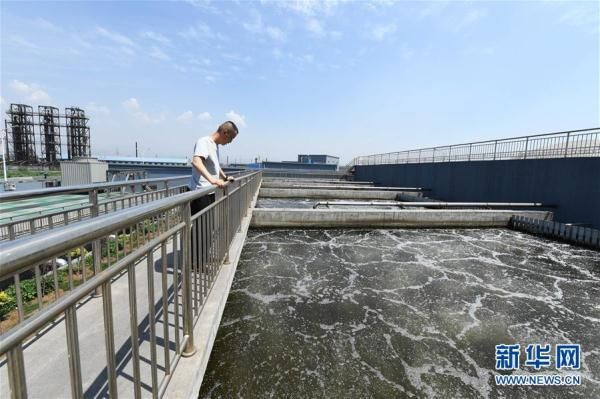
(224, 176)
(198, 163)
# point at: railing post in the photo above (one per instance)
(93, 195)
(495, 146)
(567, 144)
(188, 322)
(526, 146)
(167, 188)
(240, 202)
(227, 220)
(433, 157)
(470, 149)
(97, 244)
(16, 373)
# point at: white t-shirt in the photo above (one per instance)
(207, 149)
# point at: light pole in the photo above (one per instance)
(2, 140)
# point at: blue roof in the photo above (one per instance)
(109, 158)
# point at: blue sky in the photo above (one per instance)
(344, 78)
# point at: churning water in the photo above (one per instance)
(401, 313)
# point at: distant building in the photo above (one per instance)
(305, 162)
(318, 159)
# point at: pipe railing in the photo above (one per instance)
(567, 144)
(97, 199)
(160, 243)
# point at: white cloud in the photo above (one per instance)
(277, 53)
(238, 57)
(317, 28)
(204, 4)
(202, 62)
(157, 37)
(179, 67)
(30, 92)
(47, 25)
(133, 107)
(1, 100)
(238, 119)
(20, 42)
(581, 18)
(275, 33)
(258, 27)
(432, 9)
(309, 7)
(115, 37)
(159, 54)
(308, 58)
(186, 117)
(379, 32)
(83, 43)
(471, 17)
(204, 116)
(201, 31)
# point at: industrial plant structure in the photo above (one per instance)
(22, 124)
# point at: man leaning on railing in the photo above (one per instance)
(206, 170)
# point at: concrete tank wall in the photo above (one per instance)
(573, 184)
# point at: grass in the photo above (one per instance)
(31, 172)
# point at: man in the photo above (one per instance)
(206, 170)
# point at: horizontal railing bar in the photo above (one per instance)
(39, 247)
(37, 321)
(16, 195)
(572, 145)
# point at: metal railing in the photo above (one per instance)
(568, 144)
(157, 244)
(97, 199)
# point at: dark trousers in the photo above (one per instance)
(201, 203)
(199, 247)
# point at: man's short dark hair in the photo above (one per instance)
(228, 127)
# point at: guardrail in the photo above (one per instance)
(568, 144)
(162, 241)
(97, 199)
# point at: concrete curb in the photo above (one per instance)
(334, 218)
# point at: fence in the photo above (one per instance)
(97, 199)
(152, 243)
(575, 143)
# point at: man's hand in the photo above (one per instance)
(219, 183)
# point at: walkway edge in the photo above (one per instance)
(187, 377)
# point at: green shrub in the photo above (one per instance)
(7, 303)
(8, 297)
